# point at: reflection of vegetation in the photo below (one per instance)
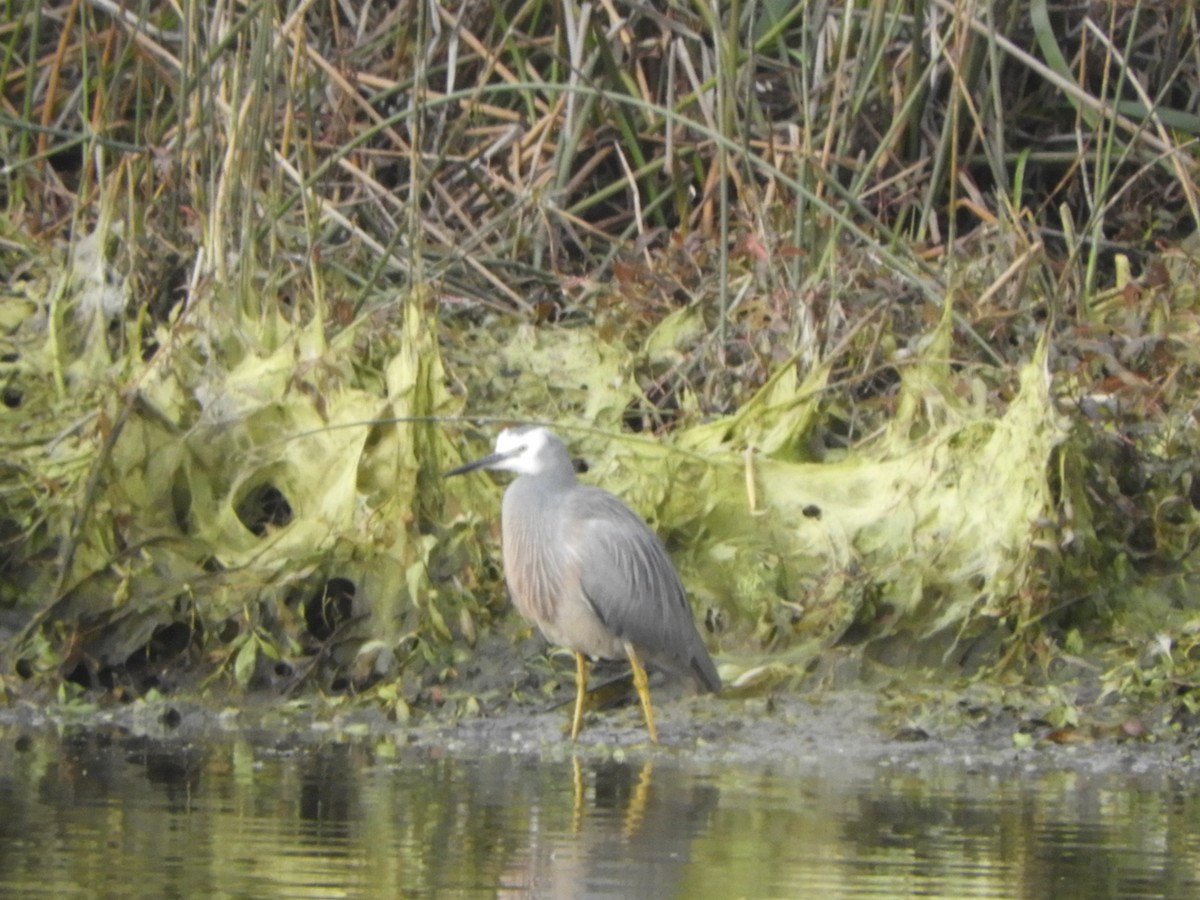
(359, 817)
(908, 312)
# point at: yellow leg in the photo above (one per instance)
(642, 683)
(581, 677)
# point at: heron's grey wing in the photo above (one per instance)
(629, 580)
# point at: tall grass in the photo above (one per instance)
(500, 149)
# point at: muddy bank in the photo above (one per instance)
(512, 697)
(840, 728)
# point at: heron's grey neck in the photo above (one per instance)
(558, 474)
(534, 560)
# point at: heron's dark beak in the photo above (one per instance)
(482, 463)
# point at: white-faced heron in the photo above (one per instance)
(585, 568)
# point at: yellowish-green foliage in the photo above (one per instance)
(935, 519)
(248, 461)
(860, 305)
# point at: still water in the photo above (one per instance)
(90, 814)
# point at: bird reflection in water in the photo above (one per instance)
(630, 834)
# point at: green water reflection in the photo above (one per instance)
(107, 814)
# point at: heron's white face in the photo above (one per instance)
(520, 450)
